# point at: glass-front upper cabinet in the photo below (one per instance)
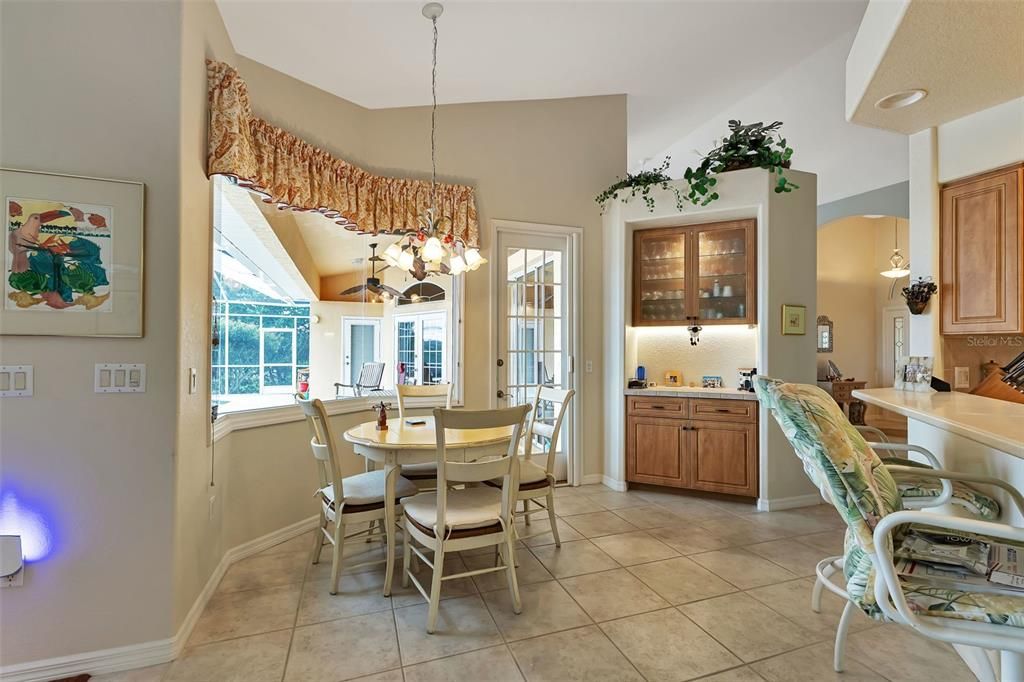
(661, 294)
(704, 273)
(725, 272)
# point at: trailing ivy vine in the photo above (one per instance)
(641, 183)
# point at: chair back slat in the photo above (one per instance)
(405, 391)
(560, 397)
(505, 467)
(322, 444)
(370, 374)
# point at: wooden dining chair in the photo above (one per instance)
(345, 501)
(470, 518)
(537, 480)
(423, 475)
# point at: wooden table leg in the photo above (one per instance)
(390, 469)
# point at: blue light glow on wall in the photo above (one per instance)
(20, 515)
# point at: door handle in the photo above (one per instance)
(501, 394)
(657, 407)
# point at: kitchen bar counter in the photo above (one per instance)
(692, 392)
(996, 424)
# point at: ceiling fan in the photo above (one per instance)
(373, 283)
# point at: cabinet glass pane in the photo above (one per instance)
(722, 274)
(662, 278)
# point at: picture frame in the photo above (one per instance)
(794, 320)
(711, 381)
(73, 255)
(914, 373)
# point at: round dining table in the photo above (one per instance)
(413, 440)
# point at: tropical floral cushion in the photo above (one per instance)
(970, 499)
(850, 474)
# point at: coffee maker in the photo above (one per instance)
(747, 375)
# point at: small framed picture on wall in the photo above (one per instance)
(794, 320)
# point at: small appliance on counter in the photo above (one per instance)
(747, 375)
(640, 379)
(636, 383)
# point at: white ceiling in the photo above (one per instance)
(334, 249)
(809, 99)
(679, 62)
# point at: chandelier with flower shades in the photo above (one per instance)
(433, 248)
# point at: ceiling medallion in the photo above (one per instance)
(433, 248)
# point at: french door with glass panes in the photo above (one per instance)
(535, 327)
(277, 360)
(420, 353)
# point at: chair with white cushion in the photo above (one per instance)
(345, 502)
(457, 520)
(537, 480)
(423, 475)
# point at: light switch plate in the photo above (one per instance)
(120, 377)
(962, 377)
(16, 381)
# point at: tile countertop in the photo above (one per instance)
(996, 423)
(692, 392)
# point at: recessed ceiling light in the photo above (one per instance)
(904, 98)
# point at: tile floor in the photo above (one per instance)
(646, 586)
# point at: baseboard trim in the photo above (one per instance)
(237, 553)
(591, 479)
(97, 662)
(620, 486)
(157, 651)
(780, 503)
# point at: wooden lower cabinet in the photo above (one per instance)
(718, 455)
(722, 457)
(654, 451)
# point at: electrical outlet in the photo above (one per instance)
(16, 580)
(590, 366)
(962, 377)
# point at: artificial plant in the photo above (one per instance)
(641, 183)
(918, 294)
(754, 145)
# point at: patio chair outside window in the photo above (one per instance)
(370, 376)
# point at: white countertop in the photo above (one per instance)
(692, 392)
(996, 423)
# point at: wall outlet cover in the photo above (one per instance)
(962, 377)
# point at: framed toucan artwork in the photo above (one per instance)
(73, 255)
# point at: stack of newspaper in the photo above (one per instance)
(961, 562)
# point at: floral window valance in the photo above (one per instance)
(292, 173)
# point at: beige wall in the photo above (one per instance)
(99, 97)
(851, 254)
(198, 542)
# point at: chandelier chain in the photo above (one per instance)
(433, 121)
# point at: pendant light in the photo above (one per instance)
(898, 265)
(434, 247)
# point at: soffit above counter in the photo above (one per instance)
(968, 56)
